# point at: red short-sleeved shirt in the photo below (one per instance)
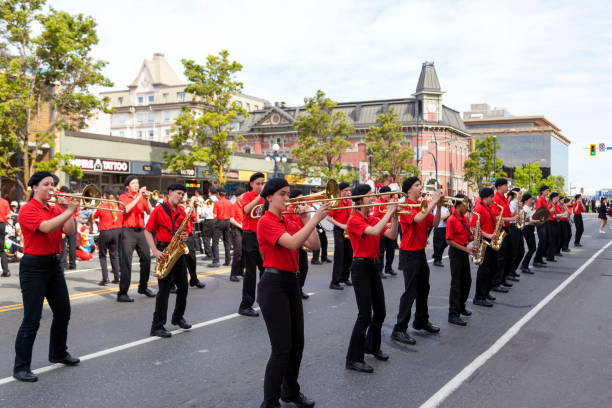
(414, 235)
(577, 208)
(222, 209)
(192, 219)
(542, 202)
(342, 216)
(5, 209)
(487, 221)
(560, 210)
(237, 213)
(36, 242)
(134, 218)
(293, 217)
(553, 210)
(495, 210)
(269, 229)
(106, 218)
(457, 229)
(379, 211)
(249, 223)
(160, 223)
(364, 246)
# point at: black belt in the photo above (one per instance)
(364, 259)
(281, 272)
(135, 229)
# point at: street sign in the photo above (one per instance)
(602, 147)
(593, 150)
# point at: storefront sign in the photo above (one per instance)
(147, 167)
(364, 172)
(185, 173)
(245, 175)
(101, 165)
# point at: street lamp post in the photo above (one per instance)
(276, 157)
(435, 163)
(494, 159)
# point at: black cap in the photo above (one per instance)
(459, 202)
(385, 189)
(408, 183)
(501, 182)
(343, 185)
(221, 190)
(109, 192)
(273, 185)
(128, 179)
(177, 186)
(239, 191)
(553, 195)
(543, 188)
(295, 193)
(486, 192)
(577, 196)
(516, 189)
(212, 190)
(255, 176)
(39, 175)
(525, 197)
(64, 189)
(360, 189)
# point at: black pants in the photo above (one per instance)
(177, 276)
(206, 229)
(416, 287)
(190, 258)
(566, 233)
(303, 266)
(197, 233)
(554, 241)
(370, 297)
(323, 251)
(543, 242)
(484, 275)
(3, 257)
(461, 281)
(222, 230)
(343, 256)
(518, 247)
(439, 243)
(109, 243)
(579, 228)
(253, 261)
(281, 306)
(133, 238)
(504, 261)
(237, 260)
(69, 246)
(529, 236)
(387, 252)
(42, 277)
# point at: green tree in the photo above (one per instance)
(200, 133)
(322, 138)
(391, 156)
(556, 183)
(522, 177)
(45, 84)
(479, 167)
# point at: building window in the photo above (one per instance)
(141, 100)
(165, 96)
(122, 118)
(166, 116)
(151, 98)
(122, 133)
(181, 96)
(247, 150)
(151, 134)
(120, 100)
(150, 117)
(239, 103)
(167, 132)
(140, 134)
(248, 107)
(255, 107)
(139, 117)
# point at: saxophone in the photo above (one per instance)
(175, 249)
(499, 234)
(479, 244)
(522, 219)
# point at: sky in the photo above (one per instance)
(551, 58)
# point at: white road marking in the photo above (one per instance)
(443, 393)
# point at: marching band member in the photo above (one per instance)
(190, 260)
(413, 262)
(439, 236)
(236, 220)
(544, 240)
(136, 205)
(250, 246)
(207, 222)
(516, 236)
(387, 246)
(222, 210)
(343, 253)
(554, 247)
(5, 213)
(303, 255)
(458, 236)
(164, 221)
(504, 255)
(41, 274)
(365, 231)
(109, 225)
(566, 227)
(278, 292)
(578, 208)
(528, 232)
(486, 269)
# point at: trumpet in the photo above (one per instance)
(152, 195)
(449, 200)
(91, 198)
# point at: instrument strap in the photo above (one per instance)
(173, 220)
(462, 221)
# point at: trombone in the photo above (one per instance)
(448, 200)
(92, 199)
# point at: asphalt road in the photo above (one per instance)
(555, 358)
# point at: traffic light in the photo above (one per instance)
(493, 178)
(593, 150)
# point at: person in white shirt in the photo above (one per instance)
(516, 237)
(207, 222)
(439, 237)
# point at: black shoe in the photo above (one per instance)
(527, 270)
(103, 282)
(403, 337)
(454, 319)
(300, 401)
(147, 292)
(72, 267)
(250, 312)
(506, 284)
(68, 360)
(234, 279)
(382, 276)
(226, 263)
(483, 302)
(173, 289)
(566, 250)
(25, 376)
(578, 244)
(182, 323)
(6, 275)
(500, 289)
(214, 265)
(391, 272)
(513, 278)
(207, 258)
(335, 286)
(360, 366)
(124, 298)
(162, 332)
(315, 262)
(328, 260)
(428, 327)
(379, 355)
(115, 281)
(438, 263)
(558, 253)
(491, 298)
(348, 282)
(466, 312)
(305, 295)
(551, 260)
(197, 284)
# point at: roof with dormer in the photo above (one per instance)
(428, 80)
(160, 71)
